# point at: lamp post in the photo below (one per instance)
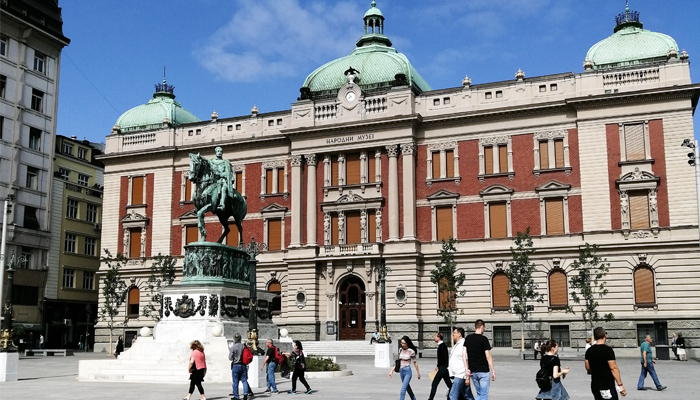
(88, 311)
(382, 270)
(253, 249)
(6, 343)
(6, 211)
(694, 161)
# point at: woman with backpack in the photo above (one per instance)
(550, 367)
(299, 362)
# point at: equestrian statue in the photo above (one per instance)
(215, 193)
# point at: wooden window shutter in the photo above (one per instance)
(488, 160)
(557, 289)
(268, 181)
(443, 217)
(352, 169)
(239, 182)
(191, 234)
(503, 158)
(137, 190)
(188, 190)
(500, 286)
(371, 168)
(353, 233)
(498, 220)
(634, 142)
(334, 170)
(639, 210)
(450, 154)
(274, 234)
(232, 237)
(134, 296)
(280, 180)
(334, 228)
(371, 227)
(435, 157)
(544, 155)
(554, 214)
(274, 287)
(447, 297)
(135, 243)
(559, 153)
(644, 286)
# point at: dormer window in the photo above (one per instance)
(488, 95)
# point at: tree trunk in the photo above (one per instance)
(110, 341)
(522, 336)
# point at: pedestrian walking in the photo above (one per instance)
(537, 349)
(601, 365)
(271, 360)
(41, 342)
(480, 361)
(120, 347)
(674, 346)
(80, 343)
(239, 371)
(406, 355)
(680, 342)
(458, 368)
(588, 344)
(299, 362)
(197, 367)
(648, 366)
(552, 364)
(441, 372)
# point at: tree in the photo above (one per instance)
(162, 274)
(522, 287)
(448, 280)
(113, 290)
(588, 285)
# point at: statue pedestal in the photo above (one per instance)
(9, 364)
(383, 355)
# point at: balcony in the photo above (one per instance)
(351, 249)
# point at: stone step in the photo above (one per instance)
(338, 348)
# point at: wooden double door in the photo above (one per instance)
(352, 309)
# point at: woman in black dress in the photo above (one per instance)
(120, 347)
(299, 362)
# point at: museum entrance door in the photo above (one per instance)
(352, 300)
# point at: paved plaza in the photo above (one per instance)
(56, 378)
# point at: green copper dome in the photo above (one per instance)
(630, 44)
(161, 108)
(375, 63)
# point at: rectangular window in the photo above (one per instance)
(37, 100)
(83, 179)
(69, 245)
(446, 101)
(190, 133)
(560, 333)
(488, 160)
(371, 227)
(27, 254)
(90, 246)
(280, 180)
(634, 142)
(450, 163)
(543, 88)
(137, 190)
(643, 330)
(498, 222)
(503, 158)
(30, 219)
(135, 243)
(488, 95)
(271, 122)
(238, 176)
(334, 170)
(82, 153)
(334, 229)
(88, 280)
(554, 214)
(188, 190)
(268, 181)
(499, 94)
(559, 153)
(553, 87)
(353, 233)
(91, 215)
(32, 178)
(198, 132)
(443, 223)
(274, 234)
(501, 336)
(436, 102)
(68, 278)
(35, 139)
(3, 45)
(233, 235)
(544, 154)
(435, 156)
(25, 295)
(229, 128)
(39, 62)
(2, 126)
(639, 210)
(238, 127)
(72, 208)
(67, 149)
(191, 234)
(352, 169)
(371, 169)
(3, 85)
(279, 121)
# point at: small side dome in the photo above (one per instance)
(161, 109)
(630, 45)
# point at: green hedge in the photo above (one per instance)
(315, 364)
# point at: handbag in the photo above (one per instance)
(397, 365)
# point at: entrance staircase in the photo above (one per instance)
(339, 348)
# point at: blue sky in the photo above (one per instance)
(228, 55)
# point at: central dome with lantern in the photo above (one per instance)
(374, 64)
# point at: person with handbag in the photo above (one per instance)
(552, 364)
(406, 355)
(197, 368)
(299, 362)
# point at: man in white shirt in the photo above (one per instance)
(458, 368)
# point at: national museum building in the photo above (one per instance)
(371, 165)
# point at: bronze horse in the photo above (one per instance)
(235, 205)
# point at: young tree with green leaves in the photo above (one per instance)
(522, 286)
(448, 280)
(113, 291)
(587, 283)
(162, 275)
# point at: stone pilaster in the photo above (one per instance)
(296, 162)
(311, 162)
(409, 190)
(393, 201)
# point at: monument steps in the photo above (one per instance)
(339, 348)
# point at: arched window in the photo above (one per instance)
(499, 287)
(446, 299)
(557, 289)
(276, 288)
(644, 286)
(133, 304)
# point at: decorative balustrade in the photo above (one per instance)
(350, 249)
(631, 77)
(326, 111)
(137, 139)
(374, 105)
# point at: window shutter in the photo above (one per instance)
(232, 237)
(503, 158)
(498, 220)
(634, 142)
(500, 286)
(353, 234)
(639, 210)
(334, 170)
(488, 160)
(137, 190)
(544, 155)
(280, 180)
(135, 243)
(134, 296)
(372, 227)
(559, 153)
(334, 228)
(644, 286)
(554, 214)
(268, 181)
(274, 287)
(435, 156)
(191, 234)
(450, 154)
(239, 182)
(352, 169)
(371, 168)
(188, 190)
(274, 234)
(447, 298)
(557, 289)
(443, 217)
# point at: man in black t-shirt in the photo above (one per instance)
(600, 363)
(480, 361)
(441, 372)
(271, 361)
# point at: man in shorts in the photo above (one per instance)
(601, 365)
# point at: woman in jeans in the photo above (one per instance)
(551, 363)
(406, 355)
(299, 362)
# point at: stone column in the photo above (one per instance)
(296, 200)
(393, 201)
(311, 200)
(409, 190)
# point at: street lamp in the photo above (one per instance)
(694, 161)
(6, 343)
(6, 210)
(88, 311)
(382, 270)
(253, 249)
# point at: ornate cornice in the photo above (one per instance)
(442, 146)
(494, 140)
(274, 164)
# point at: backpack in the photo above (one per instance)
(279, 357)
(543, 378)
(247, 356)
